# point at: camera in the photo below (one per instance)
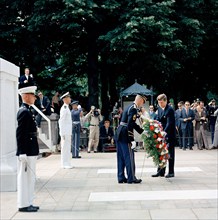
(96, 113)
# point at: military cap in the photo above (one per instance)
(24, 88)
(75, 102)
(142, 96)
(67, 94)
(213, 100)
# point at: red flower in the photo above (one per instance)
(154, 136)
(161, 157)
(151, 127)
(159, 135)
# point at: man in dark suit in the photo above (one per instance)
(166, 116)
(27, 150)
(186, 118)
(106, 134)
(125, 142)
(44, 105)
(178, 123)
(211, 108)
(27, 77)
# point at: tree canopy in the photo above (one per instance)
(100, 47)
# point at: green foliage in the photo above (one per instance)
(172, 41)
(154, 142)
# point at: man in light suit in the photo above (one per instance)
(65, 130)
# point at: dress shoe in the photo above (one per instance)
(135, 181)
(28, 209)
(157, 175)
(36, 207)
(169, 175)
(76, 157)
(190, 148)
(122, 181)
(184, 148)
(88, 152)
(95, 151)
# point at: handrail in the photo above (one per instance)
(49, 123)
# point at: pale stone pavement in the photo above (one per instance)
(79, 193)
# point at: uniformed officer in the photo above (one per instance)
(65, 131)
(27, 149)
(94, 117)
(76, 113)
(125, 141)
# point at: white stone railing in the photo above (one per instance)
(49, 144)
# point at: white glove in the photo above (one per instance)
(133, 144)
(23, 157)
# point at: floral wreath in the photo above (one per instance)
(154, 138)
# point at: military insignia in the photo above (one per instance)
(134, 117)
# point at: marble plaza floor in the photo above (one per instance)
(90, 190)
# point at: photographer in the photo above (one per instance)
(94, 117)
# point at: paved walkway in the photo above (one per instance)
(90, 190)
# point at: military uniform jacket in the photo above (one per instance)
(26, 133)
(65, 121)
(128, 123)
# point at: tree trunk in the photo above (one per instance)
(93, 74)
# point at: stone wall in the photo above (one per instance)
(9, 74)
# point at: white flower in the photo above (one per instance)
(163, 133)
(156, 130)
(159, 139)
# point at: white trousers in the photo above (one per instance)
(66, 151)
(26, 177)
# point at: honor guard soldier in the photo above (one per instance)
(65, 131)
(76, 113)
(27, 149)
(125, 141)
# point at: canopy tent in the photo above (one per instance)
(135, 89)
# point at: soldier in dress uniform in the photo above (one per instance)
(65, 130)
(94, 117)
(76, 113)
(125, 141)
(27, 149)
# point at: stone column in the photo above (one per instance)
(9, 104)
